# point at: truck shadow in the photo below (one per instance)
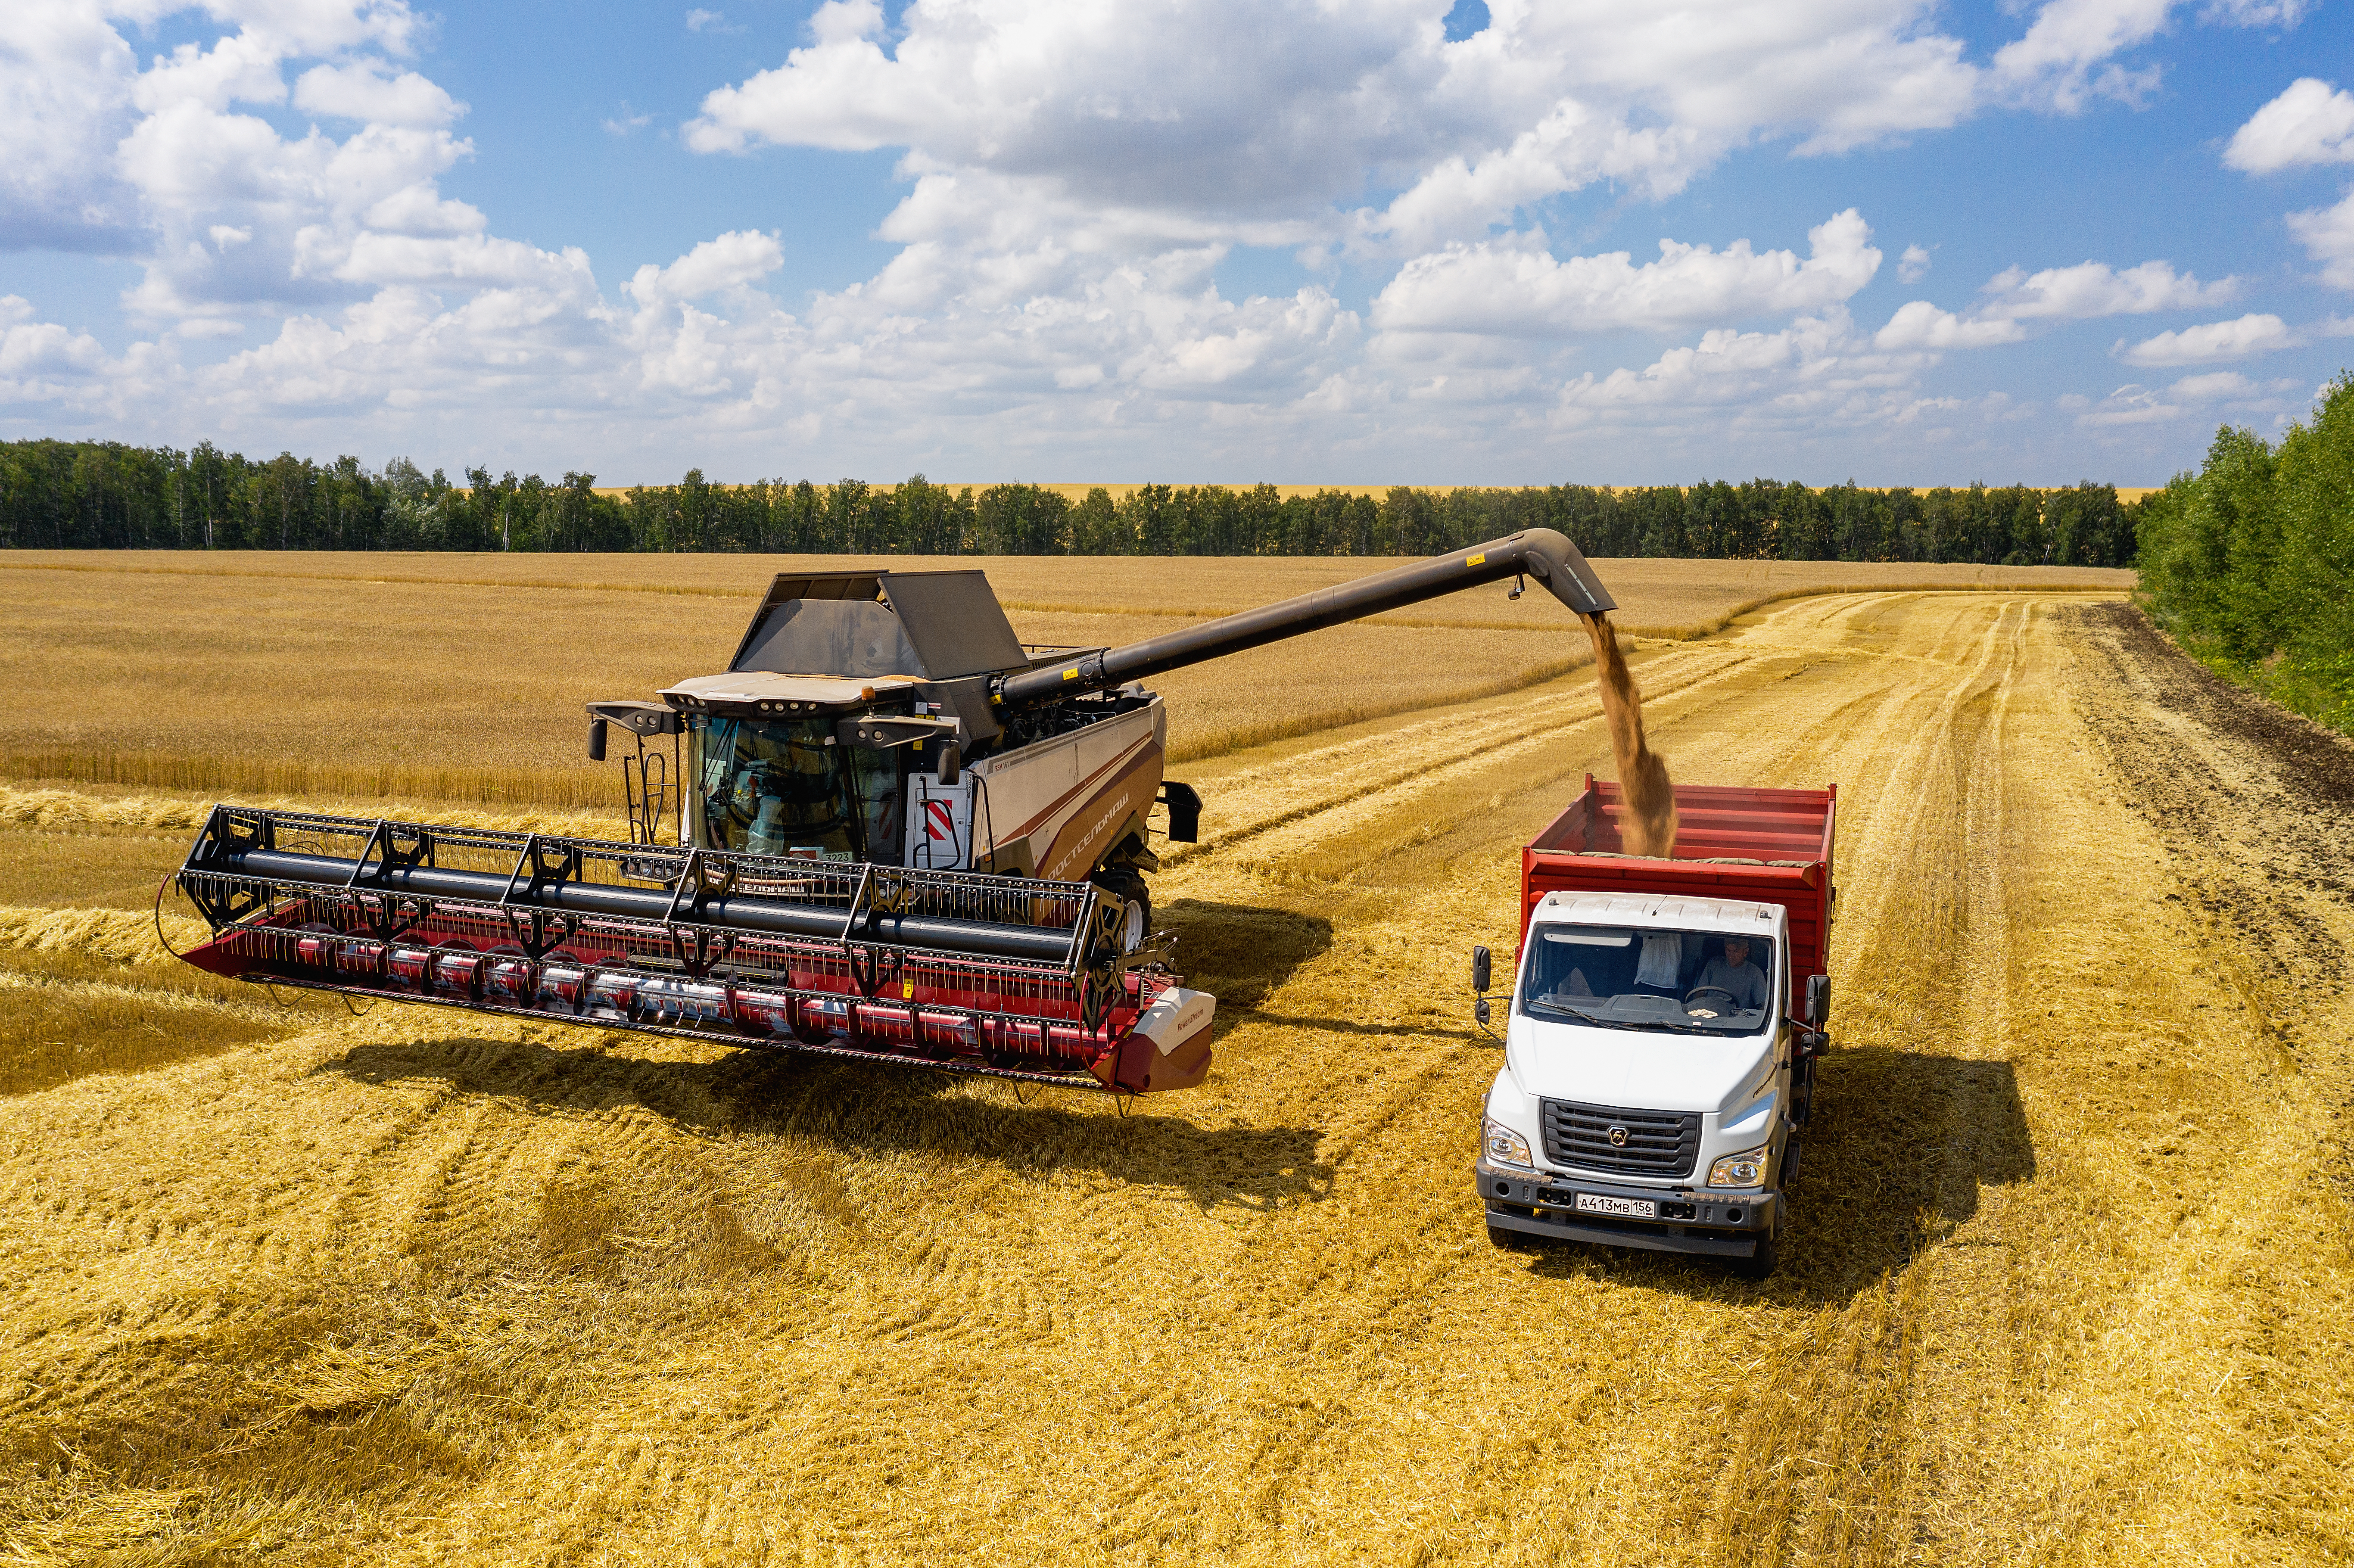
(1899, 1149)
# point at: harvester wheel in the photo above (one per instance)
(1128, 887)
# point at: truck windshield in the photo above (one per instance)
(775, 787)
(1684, 982)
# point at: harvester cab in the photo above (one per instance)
(888, 829)
(861, 721)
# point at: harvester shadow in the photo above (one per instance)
(1239, 953)
(1898, 1148)
(862, 1110)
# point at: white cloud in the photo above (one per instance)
(2080, 293)
(2249, 335)
(1913, 266)
(1499, 289)
(2327, 234)
(2092, 288)
(2067, 56)
(1076, 181)
(730, 261)
(2192, 396)
(2310, 122)
(363, 91)
(1227, 112)
(701, 21)
(1919, 324)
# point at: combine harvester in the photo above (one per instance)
(899, 836)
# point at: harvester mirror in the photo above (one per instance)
(1481, 975)
(595, 741)
(1818, 1000)
(951, 765)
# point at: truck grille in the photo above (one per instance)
(1654, 1143)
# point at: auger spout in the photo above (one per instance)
(1539, 552)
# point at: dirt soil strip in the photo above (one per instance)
(2069, 1276)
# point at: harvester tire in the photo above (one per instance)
(1129, 888)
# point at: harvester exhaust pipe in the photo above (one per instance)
(1539, 552)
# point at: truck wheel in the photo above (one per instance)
(1128, 887)
(1759, 1264)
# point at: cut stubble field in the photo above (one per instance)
(2068, 1281)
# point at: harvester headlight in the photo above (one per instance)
(1746, 1168)
(1502, 1145)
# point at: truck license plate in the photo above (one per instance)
(1625, 1208)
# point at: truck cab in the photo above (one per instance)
(1663, 1024)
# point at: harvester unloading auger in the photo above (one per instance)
(901, 836)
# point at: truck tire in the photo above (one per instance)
(1759, 1264)
(1128, 887)
(1503, 1240)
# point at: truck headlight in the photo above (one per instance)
(1746, 1168)
(1502, 1145)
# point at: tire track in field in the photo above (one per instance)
(1447, 1209)
(1283, 1455)
(1342, 1277)
(1078, 1356)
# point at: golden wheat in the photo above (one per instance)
(2068, 1280)
(370, 677)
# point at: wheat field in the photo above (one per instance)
(432, 677)
(2068, 1279)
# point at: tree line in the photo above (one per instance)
(106, 496)
(2247, 561)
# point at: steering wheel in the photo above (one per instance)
(1700, 991)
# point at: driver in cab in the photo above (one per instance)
(1735, 976)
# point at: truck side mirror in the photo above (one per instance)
(1818, 1000)
(1479, 1010)
(951, 764)
(595, 741)
(1481, 974)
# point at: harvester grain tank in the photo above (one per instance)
(1665, 1021)
(887, 830)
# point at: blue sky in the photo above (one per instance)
(1206, 241)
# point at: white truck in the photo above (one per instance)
(1664, 1023)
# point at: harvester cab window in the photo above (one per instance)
(1675, 981)
(775, 786)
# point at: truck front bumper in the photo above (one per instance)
(1711, 1222)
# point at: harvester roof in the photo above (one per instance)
(763, 693)
(925, 626)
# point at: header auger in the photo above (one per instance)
(900, 835)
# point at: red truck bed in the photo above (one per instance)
(1771, 846)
